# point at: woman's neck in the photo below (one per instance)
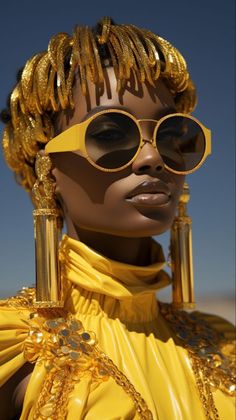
(135, 251)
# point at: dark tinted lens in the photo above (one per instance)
(180, 142)
(112, 139)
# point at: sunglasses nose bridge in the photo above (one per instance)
(150, 141)
(147, 128)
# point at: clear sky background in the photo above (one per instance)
(203, 31)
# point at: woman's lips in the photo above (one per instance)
(150, 193)
(150, 199)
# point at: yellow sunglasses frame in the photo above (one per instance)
(73, 139)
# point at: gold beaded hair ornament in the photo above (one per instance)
(46, 88)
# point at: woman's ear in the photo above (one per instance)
(54, 174)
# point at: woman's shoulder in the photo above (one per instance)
(14, 369)
(14, 315)
(222, 326)
(22, 299)
(210, 343)
(201, 332)
(198, 321)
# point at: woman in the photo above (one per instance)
(90, 109)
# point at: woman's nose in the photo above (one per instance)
(148, 161)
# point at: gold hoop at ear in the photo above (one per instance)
(182, 256)
(47, 234)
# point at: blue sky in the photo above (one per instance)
(204, 32)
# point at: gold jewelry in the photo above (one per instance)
(46, 234)
(211, 354)
(182, 255)
(68, 353)
(106, 26)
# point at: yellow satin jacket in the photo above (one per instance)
(115, 352)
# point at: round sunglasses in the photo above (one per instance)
(111, 140)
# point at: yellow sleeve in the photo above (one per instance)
(13, 332)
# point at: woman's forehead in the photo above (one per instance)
(140, 99)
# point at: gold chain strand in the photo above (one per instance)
(123, 45)
(153, 54)
(14, 102)
(97, 60)
(22, 104)
(69, 84)
(123, 381)
(157, 46)
(53, 399)
(51, 90)
(27, 77)
(86, 58)
(41, 76)
(130, 61)
(12, 150)
(42, 128)
(106, 25)
(141, 53)
(91, 67)
(70, 353)
(204, 390)
(176, 72)
(29, 146)
(63, 49)
(119, 54)
(35, 98)
(113, 59)
(82, 64)
(76, 54)
(53, 48)
(127, 57)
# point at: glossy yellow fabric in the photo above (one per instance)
(118, 302)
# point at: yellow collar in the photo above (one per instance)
(93, 272)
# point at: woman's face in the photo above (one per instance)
(138, 201)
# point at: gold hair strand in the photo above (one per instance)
(106, 26)
(98, 64)
(42, 75)
(62, 51)
(141, 54)
(27, 77)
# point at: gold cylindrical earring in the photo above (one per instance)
(47, 234)
(182, 255)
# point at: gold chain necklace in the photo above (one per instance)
(212, 356)
(70, 353)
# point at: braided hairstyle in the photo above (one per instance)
(45, 84)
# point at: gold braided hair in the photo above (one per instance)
(46, 83)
